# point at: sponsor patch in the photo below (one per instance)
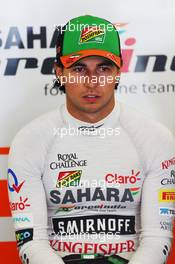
(73, 58)
(167, 163)
(97, 258)
(13, 183)
(167, 195)
(97, 207)
(90, 128)
(166, 250)
(67, 160)
(166, 225)
(25, 259)
(94, 224)
(135, 191)
(92, 34)
(167, 211)
(93, 248)
(22, 220)
(169, 180)
(23, 236)
(68, 178)
(97, 194)
(123, 179)
(20, 205)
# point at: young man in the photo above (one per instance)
(93, 180)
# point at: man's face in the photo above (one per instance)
(89, 86)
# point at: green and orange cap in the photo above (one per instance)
(88, 36)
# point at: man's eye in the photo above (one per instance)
(78, 69)
(103, 68)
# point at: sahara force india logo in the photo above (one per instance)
(68, 178)
(97, 194)
(92, 34)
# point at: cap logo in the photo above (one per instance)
(92, 34)
(72, 58)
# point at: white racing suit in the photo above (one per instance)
(89, 191)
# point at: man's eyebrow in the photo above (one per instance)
(106, 63)
(78, 64)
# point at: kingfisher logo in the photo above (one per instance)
(13, 184)
(69, 178)
(168, 163)
(92, 34)
(123, 179)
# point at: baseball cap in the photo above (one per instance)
(85, 36)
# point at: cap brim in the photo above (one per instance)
(69, 60)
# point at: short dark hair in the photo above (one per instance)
(57, 83)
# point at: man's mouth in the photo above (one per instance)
(91, 98)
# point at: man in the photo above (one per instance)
(93, 180)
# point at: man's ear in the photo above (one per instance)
(118, 75)
(58, 70)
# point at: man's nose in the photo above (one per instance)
(92, 80)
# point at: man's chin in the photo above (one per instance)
(91, 109)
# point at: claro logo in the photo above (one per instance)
(32, 37)
(123, 179)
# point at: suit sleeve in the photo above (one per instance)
(27, 197)
(158, 199)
